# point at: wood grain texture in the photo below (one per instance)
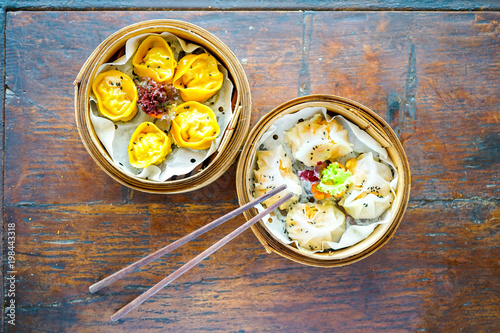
(435, 69)
(433, 76)
(430, 272)
(455, 5)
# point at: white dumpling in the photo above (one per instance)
(316, 140)
(274, 168)
(313, 224)
(370, 193)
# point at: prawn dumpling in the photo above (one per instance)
(274, 168)
(370, 193)
(313, 224)
(317, 140)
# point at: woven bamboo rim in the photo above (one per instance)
(233, 137)
(367, 120)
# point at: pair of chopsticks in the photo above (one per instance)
(193, 262)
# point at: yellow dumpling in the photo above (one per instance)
(194, 126)
(154, 59)
(116, 95)
(148, 145)
(197, 77)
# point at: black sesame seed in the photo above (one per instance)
(275, 136)
(193, 160)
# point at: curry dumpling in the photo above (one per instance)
(194, 126)
(198, 77)
(370, 193)
(312, 224)
(148, 145)
(154, 59)
(116, 95)
(317, 140)
(275, 169)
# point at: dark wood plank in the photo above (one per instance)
(337, 5)
(433, 76)
(432, 271)
(2, 148)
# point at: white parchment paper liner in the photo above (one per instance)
(361, 142)
(115, 136)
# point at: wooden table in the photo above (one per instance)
(433, 75)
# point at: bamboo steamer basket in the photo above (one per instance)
(368, 121)
(233, 137)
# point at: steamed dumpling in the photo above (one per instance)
(370, 193)
(274, 168)
(311, 224)
(316, 140)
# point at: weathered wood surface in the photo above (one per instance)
(455, 5)
(433, 76)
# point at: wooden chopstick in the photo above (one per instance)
(164, 250)
(193, 262)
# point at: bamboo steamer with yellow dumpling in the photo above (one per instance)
(163, 106)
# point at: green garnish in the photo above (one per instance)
(334, 180)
